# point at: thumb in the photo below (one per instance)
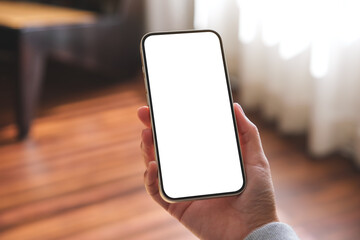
(249, 136)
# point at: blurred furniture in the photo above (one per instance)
(35, 32)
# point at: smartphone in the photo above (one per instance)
(194, 129)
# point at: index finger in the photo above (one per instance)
(144, 115)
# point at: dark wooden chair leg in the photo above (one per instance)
(29, 74)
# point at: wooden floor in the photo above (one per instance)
(80, 174)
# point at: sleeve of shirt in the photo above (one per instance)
(273, 231)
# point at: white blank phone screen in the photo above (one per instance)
(192, 115)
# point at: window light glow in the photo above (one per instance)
(294, 25)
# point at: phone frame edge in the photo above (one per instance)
(148, 97)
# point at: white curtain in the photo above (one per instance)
(296, 60)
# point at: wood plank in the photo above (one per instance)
(81, 219)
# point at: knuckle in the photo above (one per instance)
(143, 133)
(145, 174)
(263, 162)
(254, 129)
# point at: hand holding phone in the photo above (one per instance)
(219, 218)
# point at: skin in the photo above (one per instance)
(227, 217)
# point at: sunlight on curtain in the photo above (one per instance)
(300, 65)
(296, 60)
